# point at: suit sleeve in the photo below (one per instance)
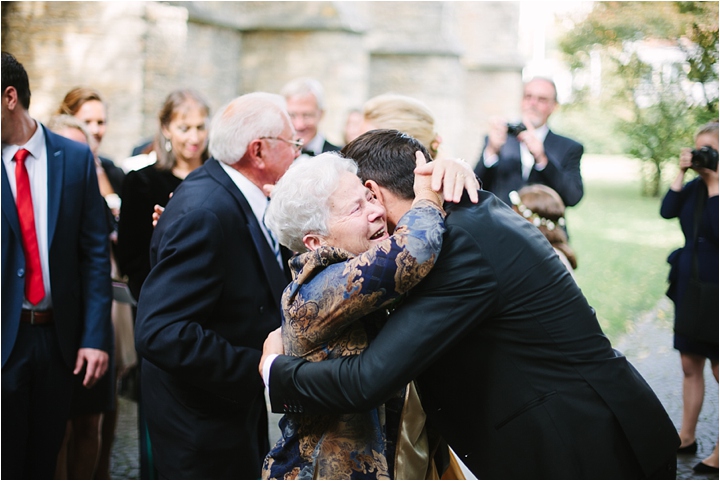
(562, 172)
(434, 316)
(95, 264)
(178, 302)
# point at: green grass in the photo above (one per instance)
(622, 245)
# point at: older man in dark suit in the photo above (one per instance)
(212, 296)
(536, 155)
(512, 366)
(56, 292)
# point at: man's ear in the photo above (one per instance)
(256, 153)
(10, 97)
(312, 241)
(376, 190)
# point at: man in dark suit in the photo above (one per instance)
(56, 291)
(212, 296)
(533, 156)
(513, 368)
(305, 99)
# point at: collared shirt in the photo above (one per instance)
(37, 167)
(315, 145)
(256, 198)
(526, 158)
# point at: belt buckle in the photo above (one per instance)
(32, 317)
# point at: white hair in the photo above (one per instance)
(304, 86)
(244, 119)
(299, 203)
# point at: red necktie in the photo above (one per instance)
(34, 287)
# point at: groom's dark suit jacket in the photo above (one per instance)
(211, 298)
(513, 367)
(561, 174)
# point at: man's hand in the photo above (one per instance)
(97, 364)
(533, 144)
(497, 136)
(272, 345)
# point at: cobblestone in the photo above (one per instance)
(647, 344)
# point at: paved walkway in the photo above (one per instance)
(648, 345)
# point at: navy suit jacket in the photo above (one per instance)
(211, 298)
(79, 253)
(562, 172)
(512, 366)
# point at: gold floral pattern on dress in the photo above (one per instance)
(331, 309)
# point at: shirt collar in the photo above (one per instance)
(35, 145)
(316, 144)
(252, 193)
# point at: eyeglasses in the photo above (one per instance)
(295, 143)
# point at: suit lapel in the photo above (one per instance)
(56, 173)
(274, 275)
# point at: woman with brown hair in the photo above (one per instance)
(181, 146)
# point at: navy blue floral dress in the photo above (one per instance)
(331, 309)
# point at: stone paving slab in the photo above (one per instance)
(647, 344)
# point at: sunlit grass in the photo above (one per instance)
(622, 245)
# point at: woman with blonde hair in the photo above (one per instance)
(405, 114)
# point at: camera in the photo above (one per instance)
(705, 157)
(514, 129)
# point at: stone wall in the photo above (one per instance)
(460, 58)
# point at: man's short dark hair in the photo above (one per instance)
(14, 75)
(388, 158)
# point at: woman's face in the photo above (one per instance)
(357, 220)
(92, 113)
(187, 131)
(706, 139)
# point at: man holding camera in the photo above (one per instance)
(516, 155)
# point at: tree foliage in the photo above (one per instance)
(658, 105)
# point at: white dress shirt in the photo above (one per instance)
(37, 167)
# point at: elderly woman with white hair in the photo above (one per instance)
(349, 267)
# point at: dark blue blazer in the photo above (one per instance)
(79, 253)
(211, 298)
(562, 172)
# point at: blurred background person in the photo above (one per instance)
(403, 113)
(180, 146)
(694, 279)
(305, 98)
(525, 153)
(79, 456)
(86, 105)
(544, 208)
(353, 125)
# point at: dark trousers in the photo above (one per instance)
(36, 396)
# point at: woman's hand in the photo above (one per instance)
(685, 159)
(450, 176)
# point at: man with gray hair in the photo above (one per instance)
(305, 99)
(212, 296)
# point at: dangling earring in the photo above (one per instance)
(168, 145)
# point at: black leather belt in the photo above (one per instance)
(36, 317)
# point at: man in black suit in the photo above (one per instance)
(513, 368)
(533, 156)
(211, 297)
(305, 99)
(56, 291)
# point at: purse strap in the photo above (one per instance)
(699, 207)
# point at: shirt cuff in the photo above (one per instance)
(490, 160)
(266, 368)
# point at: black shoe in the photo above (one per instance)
(702, 468)
(689, 449)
